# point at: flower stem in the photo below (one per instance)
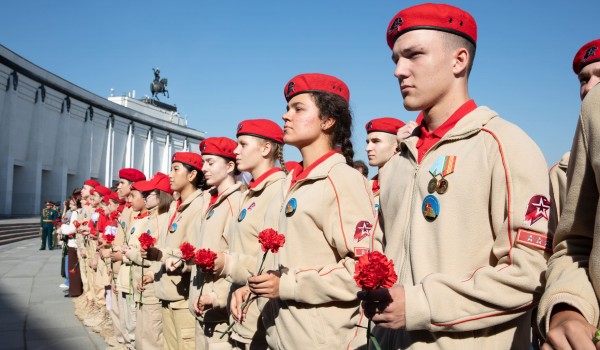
(142, 292)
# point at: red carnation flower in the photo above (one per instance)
(146, 241)
(205, 259)
(270, 240)
(114, 215)
(374, 270)
(109, 238)
(187, 251)
(76, 224)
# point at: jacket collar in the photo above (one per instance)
(470, 124)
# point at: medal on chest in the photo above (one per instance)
(443, 166)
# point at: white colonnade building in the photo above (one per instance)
(54, 135)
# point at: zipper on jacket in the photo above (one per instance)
(407, 229)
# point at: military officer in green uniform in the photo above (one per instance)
(49, 214)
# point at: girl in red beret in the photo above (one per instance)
(157, 198)
(259, 148)
(208, 291)
(328, 220)
(171, 285)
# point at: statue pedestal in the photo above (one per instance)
(159, 104)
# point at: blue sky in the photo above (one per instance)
(229, 60)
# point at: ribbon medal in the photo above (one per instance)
(443, 166)
(430, 208)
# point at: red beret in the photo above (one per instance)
(104, 192)
(131, 174)
(218, 146)
(159, 181)
(115, 197)
(441, 17)
(189, 158)
(588, 53)
(263, 128)
(313, 82)
(91, 183)
(389, 125)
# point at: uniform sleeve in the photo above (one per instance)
(568, 281)
(503, 290)
(350, 212)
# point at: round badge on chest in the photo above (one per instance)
(290, 207)
(242, 215)
(210, 214)
(430, 208)
(173, 228)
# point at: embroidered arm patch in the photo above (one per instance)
(534, 240)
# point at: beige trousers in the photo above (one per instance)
(149, 327)
(114, 312)
(127, 315)
(178, 328)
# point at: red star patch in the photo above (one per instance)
(537, 209)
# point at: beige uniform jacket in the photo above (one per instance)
(328, 220)
(212, 233)
(470, 276)
(558, 190)
(154, 223)
(576, 258)
(244, 248)
(174, 286)
(122, 227)
(125, 281)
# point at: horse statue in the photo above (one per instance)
(158, 85)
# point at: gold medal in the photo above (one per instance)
(432, 185)
(442, 186)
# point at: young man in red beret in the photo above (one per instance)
(568, 311)
(467, 230)
(381, 146)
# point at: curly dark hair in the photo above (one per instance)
(334, 106)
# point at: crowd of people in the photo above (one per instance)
(486, 252)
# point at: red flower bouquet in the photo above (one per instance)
(187, 251)
(205, 260)
(109, 238)
(270, 241)
(374, 270)
(146, 241)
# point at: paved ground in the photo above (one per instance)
(34, 314)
